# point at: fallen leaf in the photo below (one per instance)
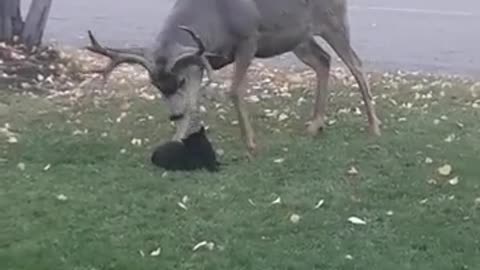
(62, 197)
(428, 160)
(424, 201)
(156, 252)
(12, 140)
(294, 218)
(199, 245)
(390, 213)
(250, 201)
(331, 122)
(450, 138)
(319, 204)
(353, 171)
(210, 245)
(21, 166)
(277, 201)
(46, 168)
(357, 221)
(282, 117)
(185, 199)
(349, 257)
(454, 181)
(445, 170)
(357, 111)
(182, 205)
(432, 181)
(137, 142)
(279, 160)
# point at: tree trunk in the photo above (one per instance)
(11, 23)
(35, 23)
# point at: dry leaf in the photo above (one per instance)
(62, 197)
(137, 142)
(209, 245)
(428, 160)
(277, 201)
(282, 117)
(445, 170)
(156, 252)
(46, 168)
(357, 111)
(357, 221)
(390, 213)
(21, 166)
(424, 201)
(182, 205)
(432, 181)
(294, 218)
(279, 160)
(319, 204)
(450, 138)
(353, 171)
(477, 201)
(250, 201)
(12, 140)
(331, 122)
(349, 257)
(453, 181)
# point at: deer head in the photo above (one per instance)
(178, 76)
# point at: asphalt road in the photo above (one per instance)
(430, 35)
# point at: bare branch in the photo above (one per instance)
(117, 57)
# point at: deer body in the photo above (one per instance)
(205, 35)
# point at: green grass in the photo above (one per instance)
(118, 205)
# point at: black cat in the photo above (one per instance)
(193, 153)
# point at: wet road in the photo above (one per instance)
(430, 35)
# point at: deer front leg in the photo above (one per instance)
(243, 58)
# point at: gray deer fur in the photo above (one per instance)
(200, 36)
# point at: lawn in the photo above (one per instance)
(77, 190)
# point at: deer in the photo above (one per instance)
(200, 37)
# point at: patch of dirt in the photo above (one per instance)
(38, 70)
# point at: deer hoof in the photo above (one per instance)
(374, 131)
(252, 150)
(315, 127)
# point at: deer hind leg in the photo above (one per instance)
(311, 54)
(339, 41)
(243, 58)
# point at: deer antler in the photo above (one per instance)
(117, 56)
(200, 52)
